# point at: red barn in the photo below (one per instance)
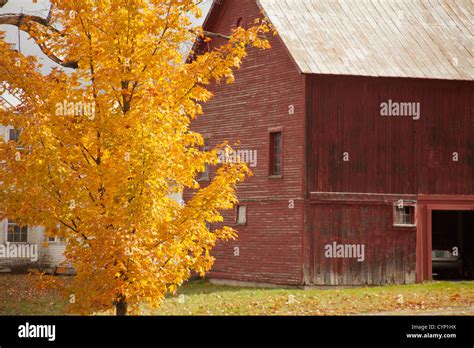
(358, 127)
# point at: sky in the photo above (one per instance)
(41, 8)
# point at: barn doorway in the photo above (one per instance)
(452, 244)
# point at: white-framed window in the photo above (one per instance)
(55, 239)
(404, 215)
(16, 233)
(241, 216)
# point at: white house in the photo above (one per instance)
(46, 253)
(50, 250)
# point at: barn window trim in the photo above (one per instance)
(408, 207)
(205, 176)
(238, 222)
(271, 158)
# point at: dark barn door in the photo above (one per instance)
(452, 244)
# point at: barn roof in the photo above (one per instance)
(398, 38)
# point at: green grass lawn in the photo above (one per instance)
(203, 298)
(18, 297)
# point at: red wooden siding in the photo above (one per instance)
(246, 111)
(390, 158)
(269, 246)
(391, 154)
(390, 252)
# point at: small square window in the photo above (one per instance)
(404, 216)
(55, 239)
(14, 135)
(241, 215)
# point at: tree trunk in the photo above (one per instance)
(121, 307)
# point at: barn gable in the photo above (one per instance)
(218, 17)
(245, 115)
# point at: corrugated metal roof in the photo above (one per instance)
(399, 38)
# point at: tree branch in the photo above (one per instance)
(221, 36)
(24, 22)
(21, 19)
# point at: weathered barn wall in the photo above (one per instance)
(266, 85)
(389, 252)
(391, 154)
(344, 164)
(269, 247)
(387, 159)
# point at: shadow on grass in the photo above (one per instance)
(205, 287)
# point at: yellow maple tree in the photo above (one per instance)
(106, 142)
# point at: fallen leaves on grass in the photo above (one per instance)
(39, 294)
(30, 295)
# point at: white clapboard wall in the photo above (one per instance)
(51, 253)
